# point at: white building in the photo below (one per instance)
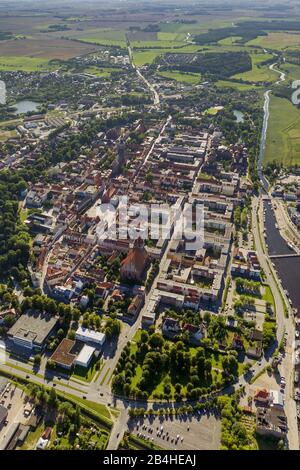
(85, 356)
(90, 336)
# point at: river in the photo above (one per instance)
(288, 269)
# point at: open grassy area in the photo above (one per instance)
(192, 78)
(268, 295)
(85, 374)
(147, 56)
(212, 111)
(229, 41)
(277, 40)
(106, 37)
(283, 136)
(235, 85)
(159, 43)
(5, 135)
(156, 389)
(259, 72)
(292, 71)
(97, 407)
(101, 72)
(25, 64)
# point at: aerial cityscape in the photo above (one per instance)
(149, 225)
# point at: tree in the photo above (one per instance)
(144, 336)
(156, 341)
(52, 400)
(37, 359)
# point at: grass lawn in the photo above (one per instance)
(23, 215)
(191, 78)
(25, 64)
(158, 388)
(283, 136)
(85, 373)
(259, 73)
(212, 111)
(97, 407)
(268, 296)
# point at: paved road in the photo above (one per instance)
(154, 93)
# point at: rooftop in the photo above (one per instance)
(62, 354)
(33, 326)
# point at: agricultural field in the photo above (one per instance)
(283, 136)
(42, 49)
(25, 64)
(105, 37)
(276, 40)
(191, 78)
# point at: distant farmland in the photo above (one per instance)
(46, 48)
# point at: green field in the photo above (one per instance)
(229, 41)
(235, 85)
(192, 78)
(147, 56)
(259, 73)
(212, 111)
(157, 44)
(104, 42)
(101, 72)
(25, 64)
(106, 37)
(292, 71)
(283, 136)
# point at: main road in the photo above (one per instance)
(154, 93)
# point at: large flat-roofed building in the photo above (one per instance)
(85, 356)
(31, 330)
(63, 355)
(90, 336)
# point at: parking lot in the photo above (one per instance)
(13, 399)
(201, 431)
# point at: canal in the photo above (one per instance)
(288, 269)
